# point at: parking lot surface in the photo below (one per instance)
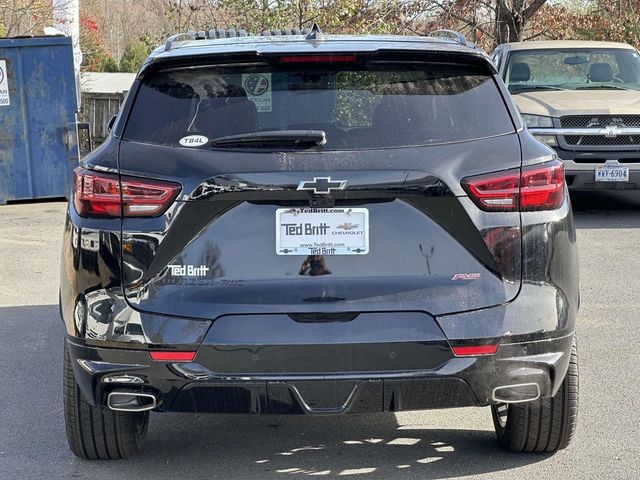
(418, 445)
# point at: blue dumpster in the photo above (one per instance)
(38, 105)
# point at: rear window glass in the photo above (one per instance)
(358, 107)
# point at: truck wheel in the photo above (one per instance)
(544, 425)
(95, 432)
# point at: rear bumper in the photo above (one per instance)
(580, 168)
(192, 387)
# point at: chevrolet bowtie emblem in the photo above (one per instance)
(322, 185)
(612, 131)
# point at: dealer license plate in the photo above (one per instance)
(322, 231)
(612, 172)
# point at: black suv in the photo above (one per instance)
(311, 224)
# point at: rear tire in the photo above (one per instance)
(96, 432)
(544, 425)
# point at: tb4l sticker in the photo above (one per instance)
(4, 84)
(193, 141)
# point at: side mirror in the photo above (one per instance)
(112, 120)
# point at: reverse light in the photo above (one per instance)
(474, 350)
(317, 59)
(537, 187)
(172, 356)
(103, 195)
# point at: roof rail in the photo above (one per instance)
(313, 33)
(203, 35)
(180, 37)
(450, 35)
(225, 33)
(284, 31)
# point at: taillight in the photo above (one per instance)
(539, 187)
(104, 195)
(542, 186)
(496, 192)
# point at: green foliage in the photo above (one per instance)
(134, 54)
(107, 64)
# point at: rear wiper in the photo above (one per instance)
(273, 137)
(518, 88)
(593, 87)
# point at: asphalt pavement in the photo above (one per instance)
(438, 444)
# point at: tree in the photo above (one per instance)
(512, 17)
(134, 54)
(24, 17)
(490, 22)
(107, 64)
(486, 22)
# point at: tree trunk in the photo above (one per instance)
(512, 17)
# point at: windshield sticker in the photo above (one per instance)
(258, 88)
(4, 84)
(193, 141)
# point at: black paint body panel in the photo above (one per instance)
(370, 336)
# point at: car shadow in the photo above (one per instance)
(222, 446)
(370, 446)
(612, 209)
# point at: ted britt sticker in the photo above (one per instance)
(188, 270)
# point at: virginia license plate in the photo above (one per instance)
(612, 172)
(322, 231)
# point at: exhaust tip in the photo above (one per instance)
(517, 393)
(122, 401)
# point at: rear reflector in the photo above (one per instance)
(104, 195)
(538, 187)
(317, 59)
(172, 356)
(474, 350)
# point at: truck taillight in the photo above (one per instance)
(103, 195)
(538, 187)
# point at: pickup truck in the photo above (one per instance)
(581, 98)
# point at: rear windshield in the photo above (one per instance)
(356, 106)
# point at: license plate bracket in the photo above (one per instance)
(322, 231)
